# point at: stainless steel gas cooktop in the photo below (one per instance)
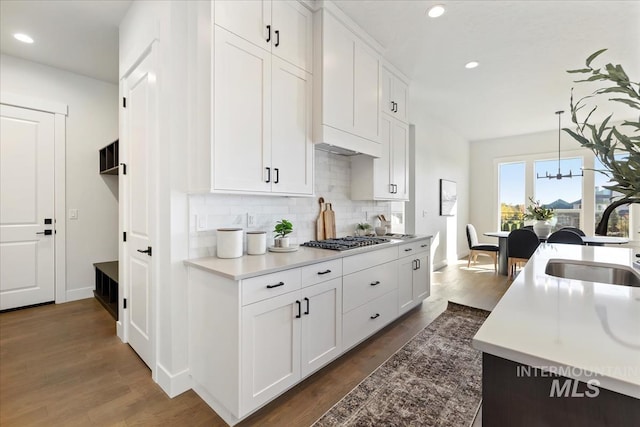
(345, 243)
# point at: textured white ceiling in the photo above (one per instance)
(524, 49)
(77, 35)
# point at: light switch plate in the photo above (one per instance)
(73, 213)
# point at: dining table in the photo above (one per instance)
(503, 255)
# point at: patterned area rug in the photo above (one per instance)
(434, 380)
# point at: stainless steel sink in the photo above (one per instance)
(590, 271)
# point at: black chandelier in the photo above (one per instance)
(559, 175)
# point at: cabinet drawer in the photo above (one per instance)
(366, 285)
(409, 249)
(358, 324)
(270, 285)
(370, 259)
(321, 272)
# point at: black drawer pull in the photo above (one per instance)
(299, 315)
(268, 174)
(377, 282)
(275, 286)
(268, 33)
(307, 300)
(408, 249)
(375, 316)
(324, 272)
(424, 246)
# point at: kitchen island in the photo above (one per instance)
(260, 324)
(559, 351)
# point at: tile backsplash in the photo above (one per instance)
(332, 181)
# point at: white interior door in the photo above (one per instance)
(26, 203)
(140, 142)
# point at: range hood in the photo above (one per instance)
(334, 149)
(343, 143)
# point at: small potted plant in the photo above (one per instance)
(542, 217)
(281, 230)
(362, 229)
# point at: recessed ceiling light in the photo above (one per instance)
(23, 38)
(472, 64)
(435, 11)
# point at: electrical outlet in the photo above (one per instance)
(251, 220)
(424, 214)
(201, 222)
(73, 213)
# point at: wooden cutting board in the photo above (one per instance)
(320, 221)
(329, 222)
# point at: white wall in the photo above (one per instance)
(91, 124)
(437, 153)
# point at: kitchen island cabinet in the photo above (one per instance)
(282, 316)
(563, 351)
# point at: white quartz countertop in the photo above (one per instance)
(255, 265)
(583, 330)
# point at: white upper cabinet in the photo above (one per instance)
(387, 177)
(348, 77)
(242, 115)
(262, 100)
(283, 27)
(291, 146)
(395, 95)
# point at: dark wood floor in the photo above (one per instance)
(62, 365)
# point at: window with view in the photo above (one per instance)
(619, 220)
(564, 195)
(512, 195)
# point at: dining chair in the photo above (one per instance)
(575, 230)
(476, 248)
(565, 236)
(521, 244)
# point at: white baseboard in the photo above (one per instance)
(173, 384)
(441, 264)
(77, 294)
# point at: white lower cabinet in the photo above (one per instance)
(270, 349)
(414, 275)
(252, 339)
(287, 337)
(321, 325)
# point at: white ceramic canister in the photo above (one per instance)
(229, 242)
(256, 242)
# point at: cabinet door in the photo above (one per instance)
(386, 83)
(292, 27)
(400, 159)
(292, 146)
(241, 117)
(270, 349)
(321, 324)
(245, 18)
(366, 77)
(337, 74)
(422, 278)
(382, 166)
(400, 95)
(405, 284)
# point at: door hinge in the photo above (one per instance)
(124, 102)
(124, 236)
(125, 304)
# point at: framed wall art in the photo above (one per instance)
(448, 198)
